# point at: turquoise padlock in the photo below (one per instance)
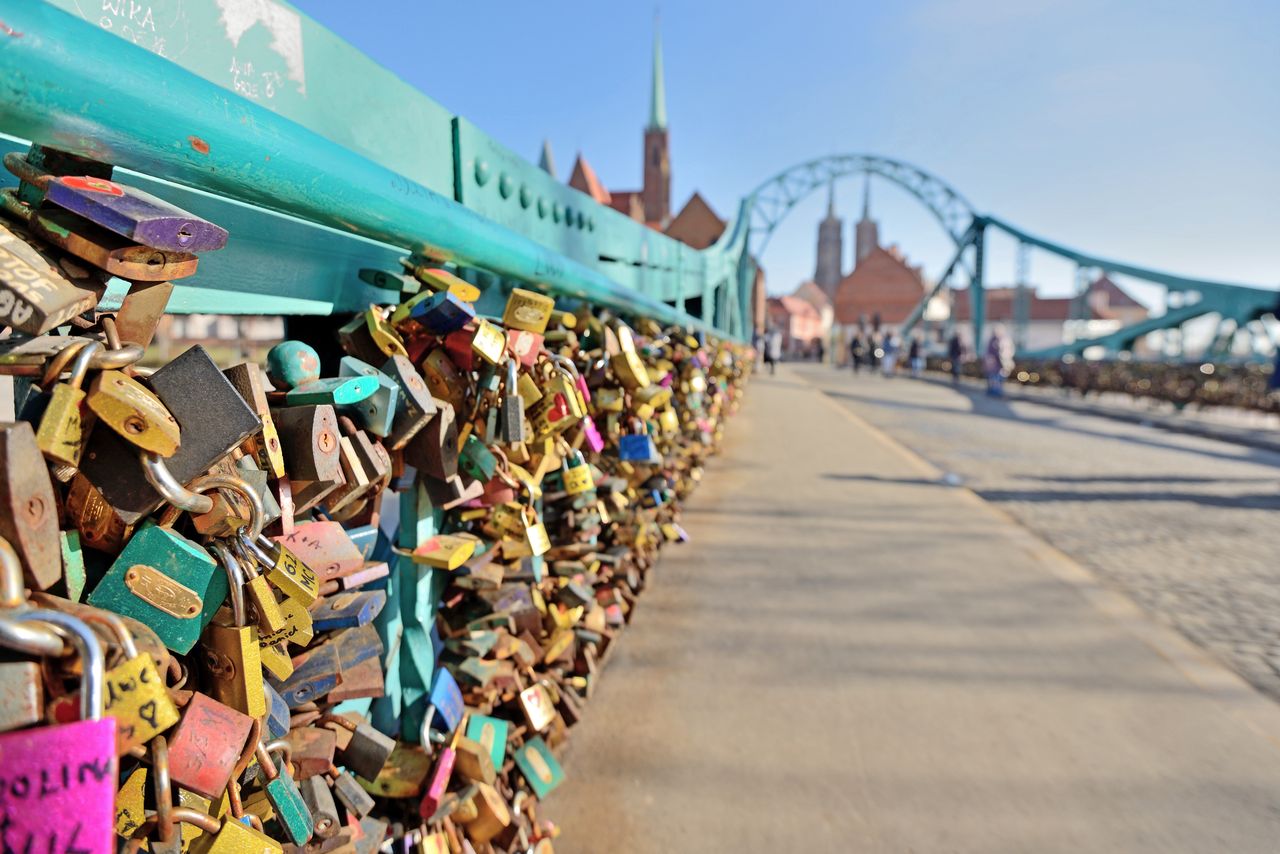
(164, 580)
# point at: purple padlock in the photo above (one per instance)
(58, 783)
(134, 214)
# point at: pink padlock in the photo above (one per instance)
(58, 783)
(591, 436)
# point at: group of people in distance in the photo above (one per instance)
(883, 351)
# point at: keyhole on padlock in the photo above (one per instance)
(35, 510)
(155, 259)
(135, 425)
(184, 235)
(326, 441)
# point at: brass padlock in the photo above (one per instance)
(124, 405)
(232, 659)
(61, 432)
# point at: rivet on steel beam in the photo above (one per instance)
(555, 211)
(482, 173)
(526, 197)
(542, 208)
(505, 185)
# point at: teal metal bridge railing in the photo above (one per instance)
(321, 163)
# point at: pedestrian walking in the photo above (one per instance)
(772, 350)
(820, 349)
(997, 362)
(857, 352)
(915, 357)
(875, 351)
(889, 364)
(955, 354)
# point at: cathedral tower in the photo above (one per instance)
(828, 272)
(866, 232)
(656, 195)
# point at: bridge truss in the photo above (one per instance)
(1238, 307)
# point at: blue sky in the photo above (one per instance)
(1144, 131)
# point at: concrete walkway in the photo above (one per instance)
(851, 657)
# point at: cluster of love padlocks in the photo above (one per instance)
(1199, 383)
(259, 610)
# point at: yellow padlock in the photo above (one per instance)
(60, 436)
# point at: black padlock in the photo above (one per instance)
(434, 451)
(309, 438)
(414, 405)
(366, 752)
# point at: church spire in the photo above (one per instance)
(658, 94)
(866, 199)
(831, 199)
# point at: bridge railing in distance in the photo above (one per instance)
(322, 163)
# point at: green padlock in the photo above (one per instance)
(282, 792)
(164, 580)
(477, 460)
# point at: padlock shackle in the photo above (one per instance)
(163, 787)
(118, 628)
(235, 581)
(163, 482)
(93, 663)
(260, 548)
(80, 354)
(13, 593)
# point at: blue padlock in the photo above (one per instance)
(443, 313)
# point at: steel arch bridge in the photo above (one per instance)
(1236, 305)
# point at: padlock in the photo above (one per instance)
(127, 407)
(38, 291)
(352, 795)
(318, 798)
(282, 792)
(442, 313)
(334, 391)
(474, 762)
(61, 432)
(434, 451)
(231, 655)
(213, 419)
(28, 512)
(493, 815)
(134, 214)
(164, 580)
(381, 333)
(136, 694)
(366, 752)
(109, 251)
(528, 311)
(438, 781)
(476, 460)
(539, 766)
(577, 477)
(247, 379)
(207, 743)
(491, 734)
(438, 279)
(443, 379)
(309, 437)
(377, 412)
(511, 427)
(414, 405)
(81, 756)
(284, 569)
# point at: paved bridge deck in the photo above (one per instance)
(851, 656)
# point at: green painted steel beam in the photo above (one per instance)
(150, 116)
(1170, 280)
